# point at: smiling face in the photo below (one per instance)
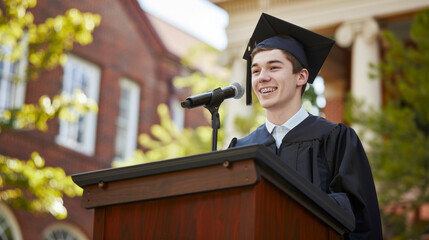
(274, 83)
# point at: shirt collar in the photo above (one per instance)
(292, 122)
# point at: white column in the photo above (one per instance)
(362, 36)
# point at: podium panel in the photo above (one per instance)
(232, 194)
(254, 212)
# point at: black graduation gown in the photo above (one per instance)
(332, 158)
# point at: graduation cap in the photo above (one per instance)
(309, 48)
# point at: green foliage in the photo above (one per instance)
(46, 42)
(49, 40)
(399, 152)
(29, 185)
(309, 98)
(36, 116)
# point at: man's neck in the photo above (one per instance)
(280, 116)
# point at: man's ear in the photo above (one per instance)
(302, 77)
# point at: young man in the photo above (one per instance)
(282, 58)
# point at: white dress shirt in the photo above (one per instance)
(279, 132)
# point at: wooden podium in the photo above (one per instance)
(242, 193)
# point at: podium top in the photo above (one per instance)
(267, 162)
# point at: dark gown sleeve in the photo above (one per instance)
(352, 182)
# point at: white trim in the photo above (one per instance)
(178, 114)
(87, 125)
(73, 230)
(316, 14)
(13, 223)
(12, 94)
(128, 123)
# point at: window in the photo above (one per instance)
(12, 81)
(127, 124)
(63, 231)
(80, 135)
(178, 114)
(9, 228)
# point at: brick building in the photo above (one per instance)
(128, 70)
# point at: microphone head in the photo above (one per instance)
(239, 90)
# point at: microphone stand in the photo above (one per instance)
(215, 101)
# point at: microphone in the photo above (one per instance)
(234, 90)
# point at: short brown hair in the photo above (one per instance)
(296, 65)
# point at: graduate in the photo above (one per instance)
(281, 59)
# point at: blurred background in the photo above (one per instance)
(88, 85)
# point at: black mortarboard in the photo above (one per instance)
(309, 48)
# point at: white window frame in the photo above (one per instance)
(178, 114)
(80, 136)
(11, 220)
(70, 229)
(13, 79)
(127, 125)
